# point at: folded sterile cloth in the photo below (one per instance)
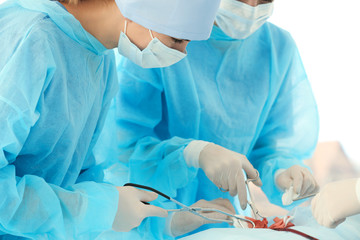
(289, 196)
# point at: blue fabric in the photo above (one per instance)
(251, 96)
(57, 82)
(184, 19)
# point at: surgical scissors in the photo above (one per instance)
(193, 210)
(251, 203)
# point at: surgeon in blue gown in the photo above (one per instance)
(240, 101)
(57, 78)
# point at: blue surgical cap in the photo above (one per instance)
(183, 19)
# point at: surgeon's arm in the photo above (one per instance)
(151, 159)
(29, 206)
(290, 132)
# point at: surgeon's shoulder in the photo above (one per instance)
(25, 33)
(129, 71)
(278, 36)
(19, 25)
(19, 19)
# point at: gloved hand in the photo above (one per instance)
(131, 211)
(225, 169)
(184, 222)
(299, 178)
(335, 202)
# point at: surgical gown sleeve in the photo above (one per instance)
(154, 160)
(29, 206)
(290, 131)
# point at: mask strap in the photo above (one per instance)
(125, 26)
(151, 35)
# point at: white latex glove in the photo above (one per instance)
(336, 201)
(225, 169)
(184, 222)
(131, 211)
(296, 181)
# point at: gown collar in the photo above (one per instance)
(66, 22)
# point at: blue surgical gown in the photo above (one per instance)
(251, 96)
(56, 85)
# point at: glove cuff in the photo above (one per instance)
(192, 152)
(169, 219)
(357, 189)
(277, 173)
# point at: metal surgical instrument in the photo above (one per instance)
(251, 203)
(194, 210)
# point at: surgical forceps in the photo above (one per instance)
(255, 211)
(194, 210)
(307, 196)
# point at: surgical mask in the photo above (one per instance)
(155, 55)
(239, 20)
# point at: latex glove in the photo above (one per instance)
(184, 222)
(131, 211)
(335, 202)
(225, 169)
(298, 180)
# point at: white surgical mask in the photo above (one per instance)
(239, 20)
(155, 55)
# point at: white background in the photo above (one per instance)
(327, 33)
